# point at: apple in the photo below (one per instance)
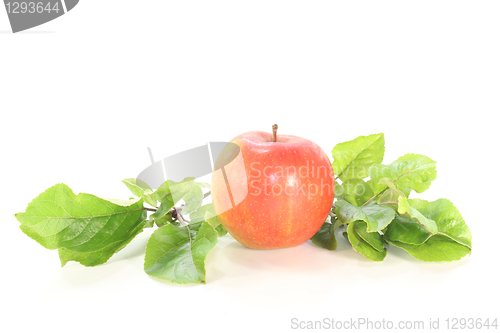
(277, 193)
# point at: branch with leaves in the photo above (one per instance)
(372, 202)
(89, 230)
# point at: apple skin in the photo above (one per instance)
(289, 191)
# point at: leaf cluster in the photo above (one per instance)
(90, 230)
(372, 202)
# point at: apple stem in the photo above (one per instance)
(275, 131)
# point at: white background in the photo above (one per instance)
(83, 96)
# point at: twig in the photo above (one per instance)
(182, 220)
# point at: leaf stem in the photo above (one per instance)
(150, 209)
(375, 196)
(182, 220)
(341, 197)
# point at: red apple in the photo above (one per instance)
(274, 194)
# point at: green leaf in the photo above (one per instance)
(325, 237)
(193, 200)
(84, 228)
(164, 220)
(409, 172)
(377, 217)
(372, 238)
(452, 241)
(221, 231)
(177, 190)
(141, 189)
(339, 190)
(201, 214)
(58, 218)
(357, 191)
(437, 248)
(99, 257)
(203, 185)
(212, 219)
(170, 193)
(178, 253)
(363, 247)
(121, 202)
(405, 208)
(407, 230)
(391, 195)
(353, 158)
(448, 219)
